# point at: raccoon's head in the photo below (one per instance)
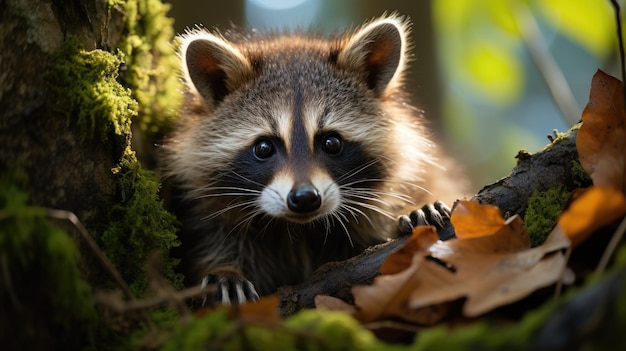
(294, 128)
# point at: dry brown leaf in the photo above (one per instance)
(325, 302)
(265, 309)
(601, 140)
(595, 208)
(471, 219)
(387, 298)
(509, 237)
(421, 239)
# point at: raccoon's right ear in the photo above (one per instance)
(213, 66)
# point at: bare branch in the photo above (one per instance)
(618, 22)
(543, 60)
(95, 249)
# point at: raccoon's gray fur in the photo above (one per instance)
(294, 151)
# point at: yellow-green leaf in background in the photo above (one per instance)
(495, 71)
(587, 22)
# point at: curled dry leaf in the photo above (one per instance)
(595, 208)
(601, 140)
(422, 238)
(325, 302)
(471, 219)
(387, 297)
(264, 309)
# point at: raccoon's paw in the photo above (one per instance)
(436, 214)
(231, 289)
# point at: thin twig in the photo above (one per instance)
(620, 39)
(547, 66)
(122, 307)
(612, 245)
(8, 282)
(95, 249)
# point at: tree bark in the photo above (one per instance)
(64, 169)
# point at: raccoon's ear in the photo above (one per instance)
(213, 66)
(377, 51)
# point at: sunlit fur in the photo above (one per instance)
(233, 207)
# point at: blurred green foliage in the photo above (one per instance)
(494, 100)
(480, 39)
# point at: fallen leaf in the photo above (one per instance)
(601, 140)
(471, 219)
(595, 208)
(264, 309)
(387, 298)
(421, 239)
(325, 302)
(516, 286)
(509, 237)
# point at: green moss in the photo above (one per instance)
(307, 330)
(44, 300)
(153, 66)
(326, 330)
(88, 93)
(542, 212)
(139, 226)
(580, 178)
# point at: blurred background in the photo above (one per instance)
(494, 76)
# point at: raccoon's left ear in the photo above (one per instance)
(377, 52)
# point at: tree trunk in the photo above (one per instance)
(65, 170)
(65, 133)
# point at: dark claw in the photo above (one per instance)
(436, 214)
(231, 289)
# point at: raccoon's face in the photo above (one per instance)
(295, 130)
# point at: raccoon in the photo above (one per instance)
(294, 151)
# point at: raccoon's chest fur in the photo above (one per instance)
(294, 151)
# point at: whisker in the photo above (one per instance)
(376, 196)
(240, 205)
(371, 207)
(352, 209)
(376, 180)
(356, 171)
(335, 215)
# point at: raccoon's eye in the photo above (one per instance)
(332, 144)
(263, 149)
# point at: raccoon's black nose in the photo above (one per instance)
(304, 198)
